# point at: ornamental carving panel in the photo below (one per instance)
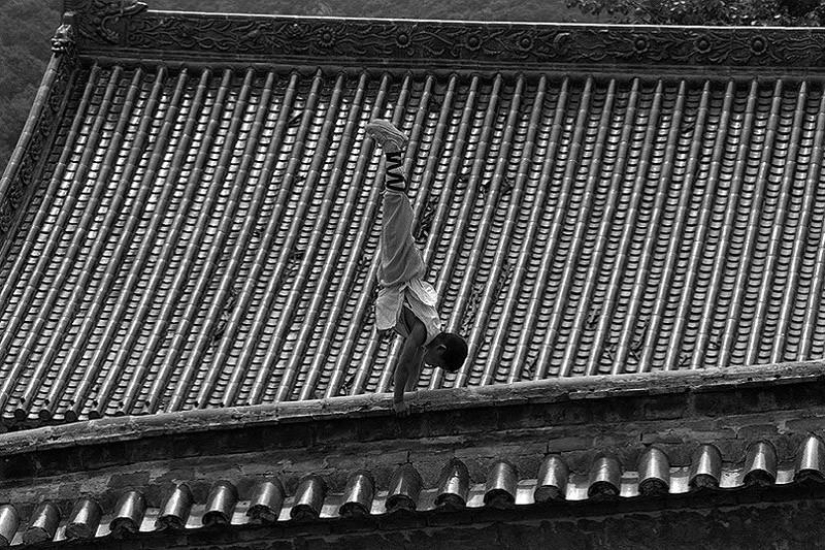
(453, 43)
(102, 19)
(25, 174)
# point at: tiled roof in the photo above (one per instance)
(206, 237)
(266, 501)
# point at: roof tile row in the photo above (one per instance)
(206, 238)
(268, 502)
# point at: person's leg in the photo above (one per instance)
(393, 141)
(395, 179)
(400, 260)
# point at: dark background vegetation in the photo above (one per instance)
(27, 25)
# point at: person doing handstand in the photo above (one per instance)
(406, 302)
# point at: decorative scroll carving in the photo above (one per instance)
(453, 44)
(23, 177)
(64, 39)
(345, 39)
(103, 19)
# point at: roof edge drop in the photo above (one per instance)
(27, 160)
(129, 29)
(248, 506)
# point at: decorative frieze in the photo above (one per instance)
(25, 163)
(103, 20)
(129, 25)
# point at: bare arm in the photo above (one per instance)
(409, 362)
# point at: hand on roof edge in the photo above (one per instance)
(401, 408)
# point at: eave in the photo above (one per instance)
(644, 457)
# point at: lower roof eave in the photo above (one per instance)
(764, 518)
(643, 397)
(618, 457)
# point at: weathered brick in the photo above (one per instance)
(792, 396)
(129, 480)
(717, 403)
(577, 413)
(376, 429)
(666, 407)
(465, 421)
(754, 432)
(450, 518)
(430, 469)
(666, 437)
(332, 432)
(523, 416)
(563, 444)
(814, 425)
(619, 410)
(607, 438)
(695, 437)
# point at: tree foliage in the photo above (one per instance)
(708, 12)
(25, 29)
(27, 25)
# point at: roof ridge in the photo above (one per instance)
(813, 174)
(495, 189)
(267, 236)
(132, 278)
(188, 260)
(622, 348)
(132, 223)
(226, 318)
(607, 218)
(53, 185)
(81, 289)
(290, 251)
(208, 331)
(301, 281)
(513, 273)
(352, 266)
(759, 315)
(128, 29)
(52, 243)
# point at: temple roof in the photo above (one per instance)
(192, 217)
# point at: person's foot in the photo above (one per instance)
(385, 134)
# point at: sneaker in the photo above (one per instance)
(390, 138)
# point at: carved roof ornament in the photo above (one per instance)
(64, 38)
(103, 18)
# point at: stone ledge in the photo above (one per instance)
(656, 397)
